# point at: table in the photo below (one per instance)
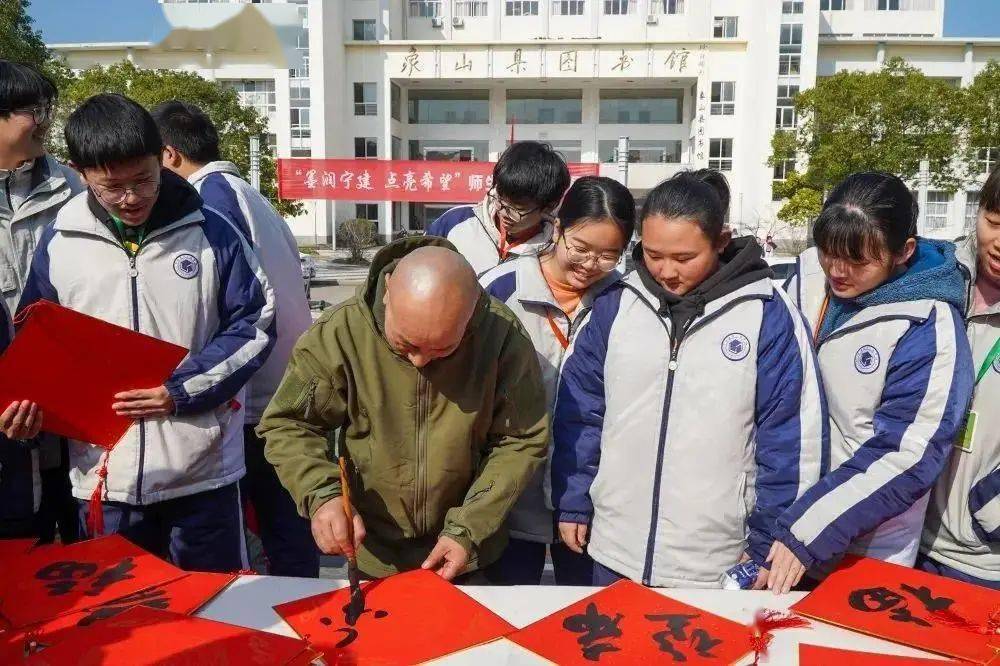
(248, 602)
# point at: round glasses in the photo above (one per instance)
(116, 195)
(582, 257)
(41, 114)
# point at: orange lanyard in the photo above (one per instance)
(822, 316)
(556, 331)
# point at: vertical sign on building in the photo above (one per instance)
(701, 105)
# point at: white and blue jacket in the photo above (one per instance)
(898, 379)
(472, 231)
(520, 285)
(194, 282)
(683, 449)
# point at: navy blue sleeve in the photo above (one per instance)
(38, 285)
(984, 505)
(218, 194)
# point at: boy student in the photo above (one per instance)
(33, 187)
(191, 150)
(516, 216)
(139, 249)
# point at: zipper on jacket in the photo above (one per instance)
(420, 508)
(10, 200)
(133, 276)
(310, 398)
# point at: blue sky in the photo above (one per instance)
(142, 20)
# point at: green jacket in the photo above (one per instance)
(444, 450)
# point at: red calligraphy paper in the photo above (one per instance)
(907, 606)
(184, 595)
(143, 636)
(408, 618)
(70, 364)
(51, 581)
(626, 624)
(815, 655)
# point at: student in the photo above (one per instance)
(140, 250)
(961, 536)
(515, 218)
(689, 413)
(885, 309)
(33, 187)
(550, 294)
(191, 150)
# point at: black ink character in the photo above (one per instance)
(351, 634)
(594, 627)
(878, 599)
(64, 575)
(155, 597)
(927, 598)
(703, 643)
(109, 577)
(675, 631)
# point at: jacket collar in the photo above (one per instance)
(533, 288)
(47, 177)
(761, 289)
(220, 166)
(968, 258)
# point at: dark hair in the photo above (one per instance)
(865, 215)
(597, 197)
(989, 197)
(22, 86)
(686, 195)
(717, 180)
(110, 128)
(529, 171)
(189, 130)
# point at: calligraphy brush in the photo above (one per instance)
(356, 605)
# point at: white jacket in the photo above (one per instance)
(195, 282)
(223, 190)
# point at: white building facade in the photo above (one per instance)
(691, 83)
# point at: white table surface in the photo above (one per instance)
(248, 602)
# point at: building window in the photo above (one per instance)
(796, 7)
(888, 5)
(971, 209)
(396, 101)
(364, 30)
(522, 7)
(641, 107)
(544, 107)
(567, 7)
(366, 147)
(425, 8)
(397, 148)
(937, 209)
(988, 158)
(834, 5)
(439, 150)
(472, 8)
(619, 7)
(448, 107)
(301, 129)
(298, 91)
(720, 154)
(366, 211)
(723, 98)
(783, 168)
(666, 6)
(256, 94)
(725, 26)
(785, 116)
(789, 64)
(642, 152)
(791, 38)
(364, 100)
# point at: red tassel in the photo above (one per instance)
(950, 618)
(765, 623)
(95, 518)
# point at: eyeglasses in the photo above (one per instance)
(41, 114)
(582, 257)
(516, 215)
(116, 195)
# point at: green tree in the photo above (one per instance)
(149, 87)
(20, 42)
(981, 111)
(887, 120)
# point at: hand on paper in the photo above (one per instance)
(448, 559)
(330, 529)
(574, 535)
(144, 403)
(762, 575)
(21, 420)
(786, 570)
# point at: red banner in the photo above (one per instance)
(392, 180)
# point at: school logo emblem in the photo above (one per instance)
(186, 266)
(867, 360)
(735, 346)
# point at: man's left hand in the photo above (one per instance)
(448, 559)
(144, 403)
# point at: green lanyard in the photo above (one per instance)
(990, 358)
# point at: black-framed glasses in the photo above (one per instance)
(582, 257)
(41, 113)
(516, 215)
(116, 195)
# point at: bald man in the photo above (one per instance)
(433, 389)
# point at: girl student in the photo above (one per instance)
(689, 412)
(885, 308)
(551, 293)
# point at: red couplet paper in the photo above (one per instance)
(184, 595)
(910, 607)
(627, 624)
(815, 655)
(51, 581)
(408, 618)
(145, 636)
(71, 365)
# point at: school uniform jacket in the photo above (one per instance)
(472, 231)
(194, 282)
(683, 449)
(898, 380)
(520, 285)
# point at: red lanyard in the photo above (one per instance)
(556, 331)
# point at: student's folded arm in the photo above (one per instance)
(214, 374)
(310, 403)
(791, 417)
(984, 505)
(517, 444)
(928, 387)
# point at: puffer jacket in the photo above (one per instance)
(194, 282)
